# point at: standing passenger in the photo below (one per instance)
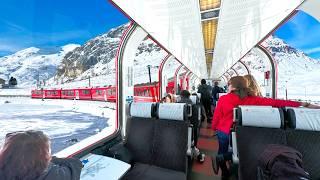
(239, 94)
(215, 92)
(26, 155)
(205, 92)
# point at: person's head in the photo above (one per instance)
(185, 94)
(239, 86)
(25, 155)
(203, 81)
(252, 83)
(216, 83)
(168, 98)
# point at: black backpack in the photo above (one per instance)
(279, 162)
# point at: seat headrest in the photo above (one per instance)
(194, 99)
(142, 109)
(177, 98)
(260, 116)
(304, 119)
(172, 111)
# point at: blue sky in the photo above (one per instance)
(50, 24)
(302, 32)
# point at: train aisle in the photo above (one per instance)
(207, 144)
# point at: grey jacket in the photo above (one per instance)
(63, 169)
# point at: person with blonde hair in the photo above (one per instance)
(26, 155)
(239, 94)
(253, 85)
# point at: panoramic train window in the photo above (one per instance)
(295, 48)
(259, 65)
(146, 70)
(168, 72)
(65, 52)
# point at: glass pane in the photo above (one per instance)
(65, 51)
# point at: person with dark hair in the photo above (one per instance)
(215, 92)
(185, 97)
(205, 91)
(26, 155)
(239, 94)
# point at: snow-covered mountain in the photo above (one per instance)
(96, 59)
(297, 72)
(29, 65)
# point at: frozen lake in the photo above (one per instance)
(64, 121)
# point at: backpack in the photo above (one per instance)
(205, 91)
(279, 162)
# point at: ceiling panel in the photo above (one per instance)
(175, 24)
(242, 24)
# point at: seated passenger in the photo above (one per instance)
(26, 155)
(168, 98)
(239, 94)
(185, 97)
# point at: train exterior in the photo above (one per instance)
(142, 93)
(146, 92)
(52, 93)
(37, 93)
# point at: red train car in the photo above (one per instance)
(68, 94)
(37, 93)
(100, 93)
(83, 93)
(146, 92)
(52, 94)
(111, 94)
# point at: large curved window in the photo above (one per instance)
(295, 48)
(240, 68)
(67, 59)
(146, 71)
(168, 72)
(259, 64)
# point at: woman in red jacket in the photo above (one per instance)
(239, 94)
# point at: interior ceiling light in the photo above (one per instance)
(209, 4)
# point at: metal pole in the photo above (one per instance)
(149, 66)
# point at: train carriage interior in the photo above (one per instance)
(104, 102)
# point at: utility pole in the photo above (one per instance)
(149, 66)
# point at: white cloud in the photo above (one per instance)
(312, 50)
(9, 48)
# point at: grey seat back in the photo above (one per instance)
(304, 135)
(171, 137)
(256, 128)
(141, 131)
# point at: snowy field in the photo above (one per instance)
(64, 121)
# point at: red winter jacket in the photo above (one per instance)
(223, 113)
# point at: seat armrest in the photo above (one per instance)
(235, 158)
(189, 150)
(121, 152)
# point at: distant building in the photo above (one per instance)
(2, 82)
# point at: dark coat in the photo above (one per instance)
(58, 169)
(63, 169)
(185, 100)
(205, 91)
(279, 162)
(215, 91)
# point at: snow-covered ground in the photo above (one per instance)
(64, 121)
